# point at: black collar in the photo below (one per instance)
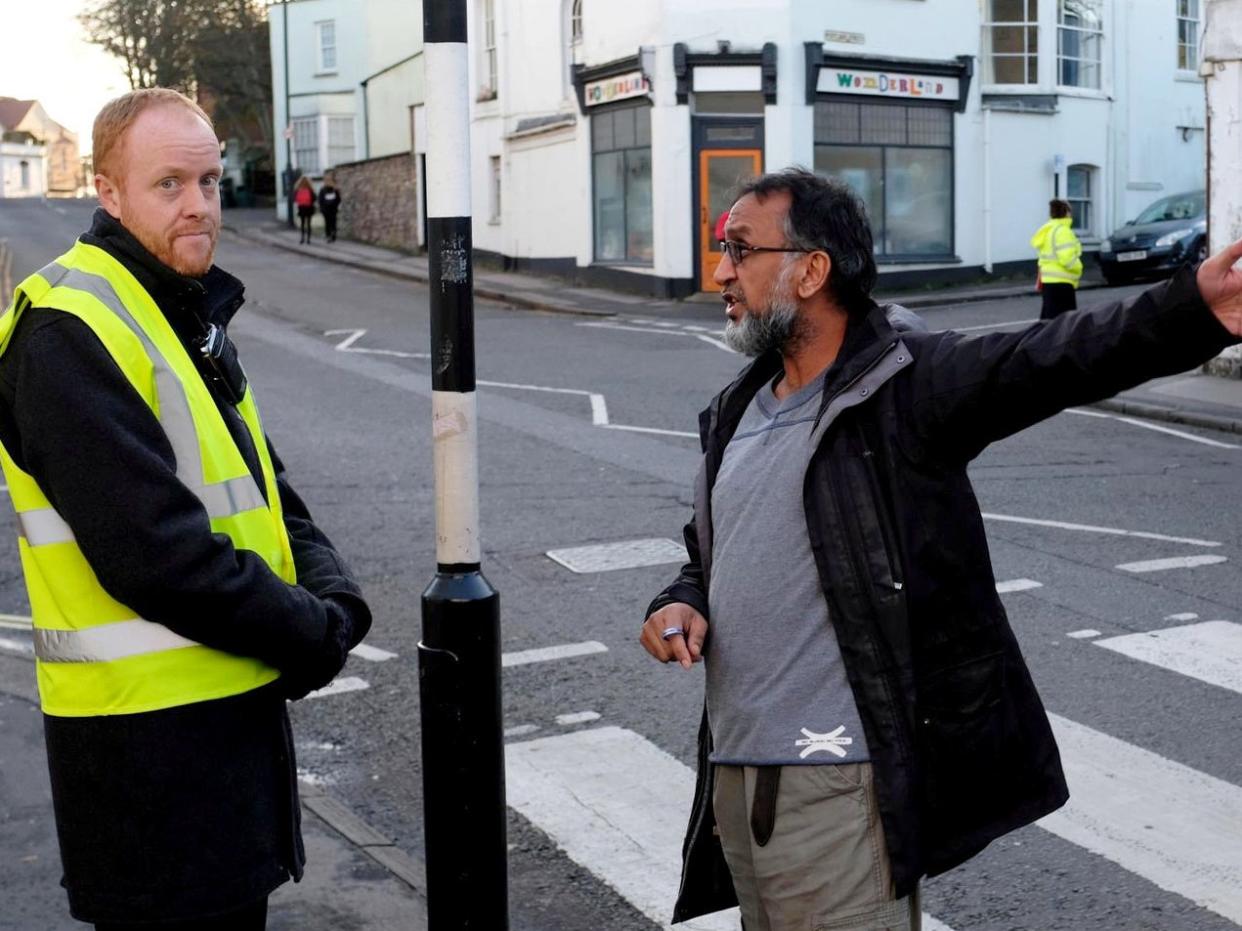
(188, 303)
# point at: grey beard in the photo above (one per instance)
(755, 334)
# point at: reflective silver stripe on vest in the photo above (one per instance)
(220, 499)
(106, 642)
(44, 527)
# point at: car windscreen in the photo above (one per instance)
(1177, 207)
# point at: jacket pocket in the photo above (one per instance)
(968, 733)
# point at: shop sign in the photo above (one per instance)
(887, 84)
(619, 87)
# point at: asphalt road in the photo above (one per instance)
(599, 742)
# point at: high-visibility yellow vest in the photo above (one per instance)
(1060, 252)
(94, 655)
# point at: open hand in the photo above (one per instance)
(687, 646)
(1220, 285)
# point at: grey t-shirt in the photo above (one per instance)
(776, 685)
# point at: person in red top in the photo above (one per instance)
(304, 200)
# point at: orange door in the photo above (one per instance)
(720, 173)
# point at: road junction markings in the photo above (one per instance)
(340, 685)
(548, 654)
(1135, 422)
(599, 404)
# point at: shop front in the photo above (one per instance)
(886, 128)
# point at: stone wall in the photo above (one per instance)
(379, 201)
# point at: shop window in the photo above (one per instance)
(1078, 186)
(325, 34)
(1012, 38)
(340, 140)
(306, 145)
(1080, 35)
(899, 160)
(621, 177)
(1187, 35)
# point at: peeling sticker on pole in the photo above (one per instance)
(454, 267)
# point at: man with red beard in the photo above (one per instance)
(869, 718)
(180, 592)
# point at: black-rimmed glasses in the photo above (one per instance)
(736, 251)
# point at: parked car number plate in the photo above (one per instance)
(1131, 256)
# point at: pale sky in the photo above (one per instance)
(46, 57)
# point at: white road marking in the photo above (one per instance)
(521, 730)
(1180, 434)
(599, 406)
(1089, 528)
(16, 646)
(1172, 562)
(1210, 651)
(1017, 585)
(548, 654)
(667, 329)
(15, 622)
(718, 343)
(578, 717)
(1170, 824)
(656, 430)
(341, 685)
(347, 345)
(1187, 616)
(601, 814)
(1085, 634)
(625, 554)
(372, 654)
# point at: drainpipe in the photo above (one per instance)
(288, 179)
(987, 190)
(1222, 72)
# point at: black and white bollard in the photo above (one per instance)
(459, 656)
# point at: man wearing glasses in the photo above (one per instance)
(869, 719)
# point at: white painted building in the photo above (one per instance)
(606, 137)
(352, 78)
(23, 169)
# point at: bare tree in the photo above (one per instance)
(215, 51)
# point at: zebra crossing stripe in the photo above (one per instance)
(1172, 825)
(602, 815)
(1210, 651)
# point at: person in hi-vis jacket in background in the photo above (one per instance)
(1060, 261)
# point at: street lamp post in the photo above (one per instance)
(459, 655)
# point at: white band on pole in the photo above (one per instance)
(455, 428)
(448, 130)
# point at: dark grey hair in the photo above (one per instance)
(826, 215)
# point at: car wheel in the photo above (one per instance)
(1202, 252)
(1116, 278)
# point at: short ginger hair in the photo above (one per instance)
(119, 114)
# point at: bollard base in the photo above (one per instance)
(463, 753)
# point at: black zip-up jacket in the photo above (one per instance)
(961, 746)
(193, 809)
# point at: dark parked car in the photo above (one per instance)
(1163, 238)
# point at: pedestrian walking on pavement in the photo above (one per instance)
(1060, 261)
(180, 591)
(869, 719)
(329, 204)
(304, 200)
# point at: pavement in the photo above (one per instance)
(1194, 399)
(356, 879)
